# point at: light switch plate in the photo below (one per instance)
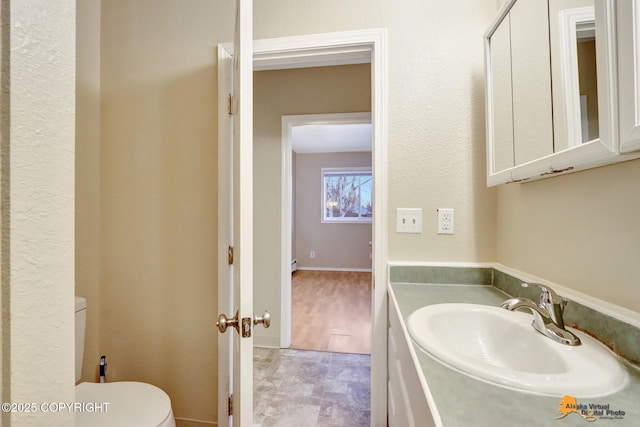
(409, 220)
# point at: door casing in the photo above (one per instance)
(342, 48)
(288, 122)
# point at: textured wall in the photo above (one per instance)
(158, 169)
(158, 195)
(436, 111)
(41, 207)
(88, 176)
(158, 162)
(580, 231)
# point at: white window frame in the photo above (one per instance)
(323, 192)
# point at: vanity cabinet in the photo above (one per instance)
(628, 33)
(556, 60)
(407, 402)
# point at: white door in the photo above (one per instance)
(235, 265)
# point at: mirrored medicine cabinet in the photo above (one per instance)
(551, 88)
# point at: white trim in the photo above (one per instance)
(351, 47)
(286, 233)
(570, 21)
(431, 403)
(225, 220)
(355, 270)
(192, 420)
(628, 43)
(266, 341)
(288, 123)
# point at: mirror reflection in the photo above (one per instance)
(572, 40)
(588, 81)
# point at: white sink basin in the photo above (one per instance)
(501, 347)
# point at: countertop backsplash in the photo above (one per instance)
(623, 338)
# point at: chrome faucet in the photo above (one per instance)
(547, 316)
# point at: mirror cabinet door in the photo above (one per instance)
(531, 81)
(572, 38)
(557, 61)
(628, 21)
(502, 99)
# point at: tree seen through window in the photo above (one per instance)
(347, 195)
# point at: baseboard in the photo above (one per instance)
(266, 341)
(354, 270)
(188, 422)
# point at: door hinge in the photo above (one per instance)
(230, 255)
(230, 405)
(230, 104)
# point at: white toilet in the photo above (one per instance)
(129, 404)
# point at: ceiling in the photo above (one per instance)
(331, 138)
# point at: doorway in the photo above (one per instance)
(353, 47)
(331, 247)
(314, 159)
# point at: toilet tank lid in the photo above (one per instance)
(81, 304)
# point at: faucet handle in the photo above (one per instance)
(548, 295)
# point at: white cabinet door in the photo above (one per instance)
(628, 21)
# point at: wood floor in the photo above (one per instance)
(331, 311)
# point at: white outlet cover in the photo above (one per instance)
(445, 221)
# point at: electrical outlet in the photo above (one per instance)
(409, 220)
(312, 254)
(445, 221)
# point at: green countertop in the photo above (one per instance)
(463, 401)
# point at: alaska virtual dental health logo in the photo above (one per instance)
(590, 412)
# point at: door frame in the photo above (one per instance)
(342, 48)
(286, 227)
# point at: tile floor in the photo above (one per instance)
(300, 388)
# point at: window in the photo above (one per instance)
(346, 195)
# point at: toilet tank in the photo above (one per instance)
(80, 325)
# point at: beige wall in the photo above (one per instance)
(338, 246)
(580, 231)
(87, 223)
(436, 128)
(38, 207)
(158, 195)
(157, 163)
(436, 111)
(5, 351)
(343, 89)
